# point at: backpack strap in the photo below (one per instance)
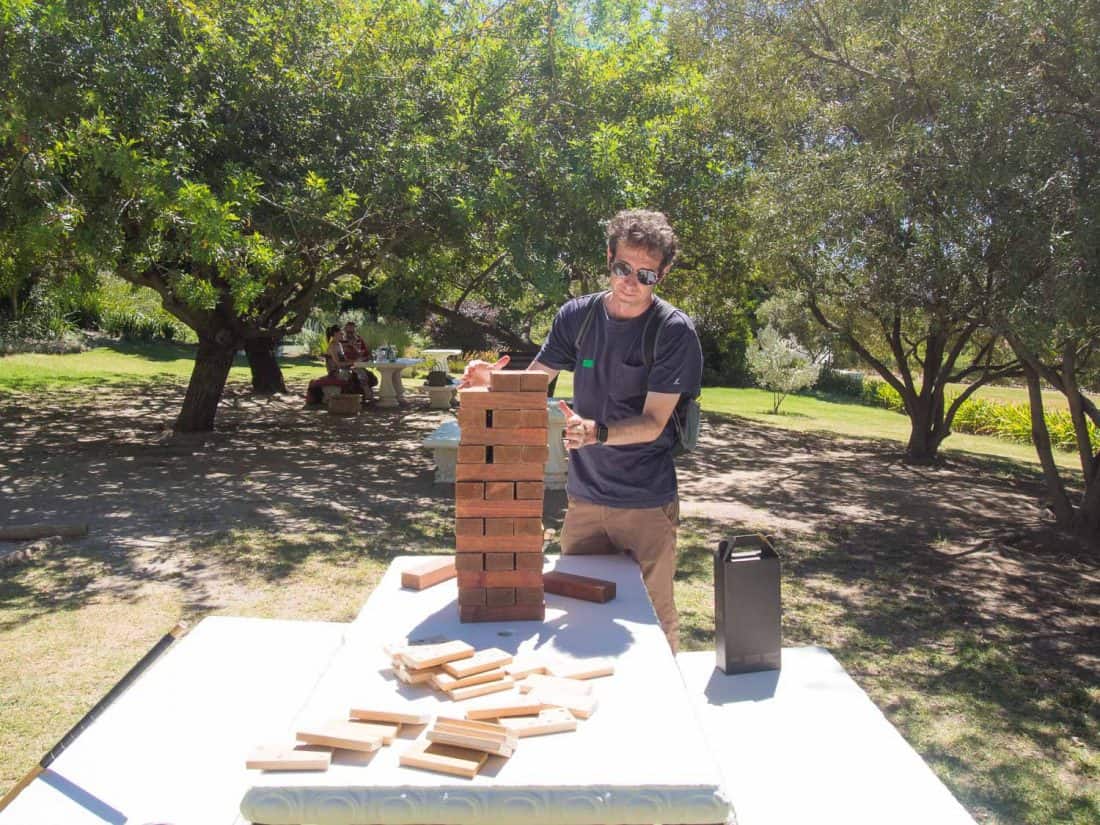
(593, 308)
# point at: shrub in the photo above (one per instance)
(848, 383)
(877, 393)
(780, 365)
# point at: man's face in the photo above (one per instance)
(627, 291)
(349, 330)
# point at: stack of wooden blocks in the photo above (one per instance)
(498, 498)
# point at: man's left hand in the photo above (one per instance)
(579, 432)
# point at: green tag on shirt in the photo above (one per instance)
(588, 362)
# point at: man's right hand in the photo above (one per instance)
(477, 372)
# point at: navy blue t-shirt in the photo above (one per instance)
(610, 382)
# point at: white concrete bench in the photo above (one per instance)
(443, 443)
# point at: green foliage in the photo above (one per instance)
(780, 365)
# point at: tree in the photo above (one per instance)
(780, 365)
(241, 160)
(864, 198)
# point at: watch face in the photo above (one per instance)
(601, 433)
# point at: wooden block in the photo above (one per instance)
(487, 730)
(500, 561)
(501, 470)
(447, 682)
(530, 595)
(393, 717)
(528, 561)
(491, 658)
(530, 489)
(535, 381)
(489, 736)
(469, 527)
(474, 743)
(472, 454)
(506, 381)
(501, 490)
(529, 526)
(429, 573)
(551, 720)
(353, 736)
(289, 758)
(541, 681)
(507, 454)
(499, 544)
(522, 668)
(585, 669)
(386, 731)
(534, 418)
(504, 437)
(469, 490)
(418, 657)
(500, 596)
(415, 677)
(579, 587)
(471, 595)
(536, 455)
(519, 706)
(465, 508)
(580, 706)
(472, 418)
(431, 756)
(469, 561)
(482, 689)
(509, 419)
(510, 579)
(480, 398)
(500, 527)
(515, 613)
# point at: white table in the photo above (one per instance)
(806, 745)
(640, 758)
(391, 392)
(440, 357)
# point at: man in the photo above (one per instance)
(622, 480)
(348, 348)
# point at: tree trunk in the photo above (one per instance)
(1063, 508)
(925, 434)
(267, 376)
(208, 377)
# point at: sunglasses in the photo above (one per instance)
(646, 277)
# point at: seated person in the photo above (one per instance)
(347, 348)
(346, 382)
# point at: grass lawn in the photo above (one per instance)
(975, 648)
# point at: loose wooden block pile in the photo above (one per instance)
(498, 498)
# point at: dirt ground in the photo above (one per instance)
(906, 557)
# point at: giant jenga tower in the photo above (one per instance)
(498, 498)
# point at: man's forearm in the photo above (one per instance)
(638, 430)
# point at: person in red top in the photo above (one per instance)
(345, 350)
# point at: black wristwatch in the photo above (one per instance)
(601, 433)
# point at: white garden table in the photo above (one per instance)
(391, 392)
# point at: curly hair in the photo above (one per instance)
(650, 230)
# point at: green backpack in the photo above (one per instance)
(686, 417)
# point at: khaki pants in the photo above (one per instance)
(647, 534)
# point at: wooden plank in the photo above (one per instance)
(505, 437)
(507, 454)
(429, 573)
(506, 381)
(515, 613)
(472, 418)
(469, 527)
(535, 381)
(536, 455)
(471, 595)
(500, 527)
(528, 561)
(490, 730)
(469, 490)
(289, 758)
(523, 667)
(480, 398)
(540, 681)
(530, 489)
(584, 669)
(519, 706)
(501, 471)
(469, 561)
(480, 690)
(530, 595)
(499, 578)
(353, 736)
(446, 682)
(473, 742)
(579, 587)
(491, 658)
(418, 657)
(500, 561)
(465, 508)
(415, 677)
(502, 490)
(472, 454)
(499, 544)
(393, 717)
(580, 706)
(534, 418)
(529, 526)
(551, 720)
(431, 756)
(509, 419)
(500, 596)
